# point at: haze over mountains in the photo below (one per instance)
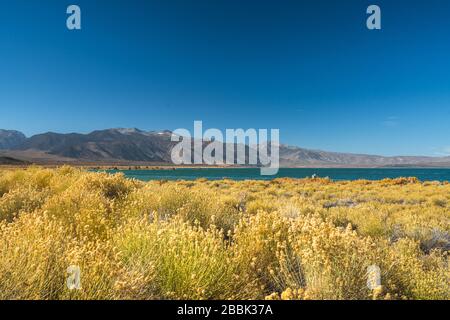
(134, 146)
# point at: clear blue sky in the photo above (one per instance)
(310, 68)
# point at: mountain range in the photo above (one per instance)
(137, 147)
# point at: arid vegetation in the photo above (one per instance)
(281, 239)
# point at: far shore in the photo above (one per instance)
(146, 166)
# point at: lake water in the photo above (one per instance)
(423, 174)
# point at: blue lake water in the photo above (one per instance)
(423, 174)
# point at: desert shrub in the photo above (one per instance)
(281, 239)
(261, 205)
(334, 260)
(414, 275)
(323, 262)
(86, 215)
(32, 264)
(257, 240)
(103, 275)
(188, 262)
(111, 186)
(439, 202)
(21, 199)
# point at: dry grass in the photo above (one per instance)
(281, 239)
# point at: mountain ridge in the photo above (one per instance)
(132, 145)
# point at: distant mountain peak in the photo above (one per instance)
(139, 131)
(135, 145)
(128, 130)
(5, 132)
(10, 139)
(164, 132)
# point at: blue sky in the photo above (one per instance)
(310, 68)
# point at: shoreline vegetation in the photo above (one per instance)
(278, 239)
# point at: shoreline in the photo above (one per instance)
(151, 167)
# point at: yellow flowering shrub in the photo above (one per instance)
(282, 239)
(188, 262)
